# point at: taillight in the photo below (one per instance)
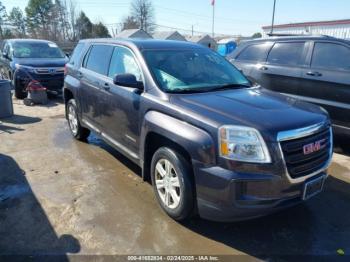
(65, 70)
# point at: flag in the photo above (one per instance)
(213, 2)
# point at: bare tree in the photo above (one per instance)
(72, 13)
(130, 22)
(143, 12)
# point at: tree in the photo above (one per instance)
(16, 18)
(83, 26)
(129, 22)
(72, 13)
(3, 18)
(100, 30)
(39, 17)
(143, 12)
(257, 35)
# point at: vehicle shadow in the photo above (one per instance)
(320, 226)
(20, 120)
(25, 228)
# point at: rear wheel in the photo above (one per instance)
(79, 132)
(171, 179)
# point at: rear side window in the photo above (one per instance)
(286, 53)
(74, 59)
(329, 55)
(257, 52)
(98, 58)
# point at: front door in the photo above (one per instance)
(121, 121)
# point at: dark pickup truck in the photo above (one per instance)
(210, 142)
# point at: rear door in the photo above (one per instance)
(93, 74)
(250, 57)
(282, 70)
(326, 81)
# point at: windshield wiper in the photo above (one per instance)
(230, 86)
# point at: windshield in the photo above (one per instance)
(192, 70)
(37, 50)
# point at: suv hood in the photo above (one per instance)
(41, 62)
(267, 111)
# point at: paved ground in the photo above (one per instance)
(61, 196)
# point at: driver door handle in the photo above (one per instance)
(106, 86)
(314, 73)
(264, 68)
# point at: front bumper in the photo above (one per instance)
(225, 195)
(53, 83)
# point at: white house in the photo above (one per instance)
(133, 33)
(205, 40)
(172, 35)
(335, 28)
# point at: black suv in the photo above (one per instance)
(208, 140)
(315, 69)
(23, 60)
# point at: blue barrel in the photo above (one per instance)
(6, 106)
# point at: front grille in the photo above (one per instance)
(300, 164)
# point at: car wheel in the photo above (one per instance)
(79, 132)
(171, 179)
(19, 92)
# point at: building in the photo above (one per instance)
(205, 40)
(133, 33)
(172, 35)
(335, 28)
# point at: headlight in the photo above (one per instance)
(243, 144)
(27, 68)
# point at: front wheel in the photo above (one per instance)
(79, 132)
(172, 183)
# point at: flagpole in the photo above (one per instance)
(212, 28)
(273, 17)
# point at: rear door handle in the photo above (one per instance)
(314, 73)
(80, 75)
(264, 68)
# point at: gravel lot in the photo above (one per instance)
(61, 196)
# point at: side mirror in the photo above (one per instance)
(128, 80)
(5, 55)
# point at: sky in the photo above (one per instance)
(232, 17)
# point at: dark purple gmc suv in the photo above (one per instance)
(211, 143)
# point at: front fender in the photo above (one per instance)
(197, 142)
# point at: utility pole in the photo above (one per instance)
(273, 16)
(192, 30)
(212, 27)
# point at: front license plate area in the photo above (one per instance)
(313, 187)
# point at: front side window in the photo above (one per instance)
(98, 58)
(123, 62)
(192, 70)
(36, 50)
(329, 55)
(255, 53)
(286, 53)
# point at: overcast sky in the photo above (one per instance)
(231, 16)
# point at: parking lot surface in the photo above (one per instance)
(61, 196)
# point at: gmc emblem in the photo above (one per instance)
(314, 147)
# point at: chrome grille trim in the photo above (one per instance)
(300, 133)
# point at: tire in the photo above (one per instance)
(180, 206)
(19, 92)
(78, 132)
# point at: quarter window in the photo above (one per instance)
(76, 54)
(255, 53)
(329, 55)
(123, 62)
(286, 53)
(99, 58)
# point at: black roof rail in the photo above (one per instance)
(282, 34)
